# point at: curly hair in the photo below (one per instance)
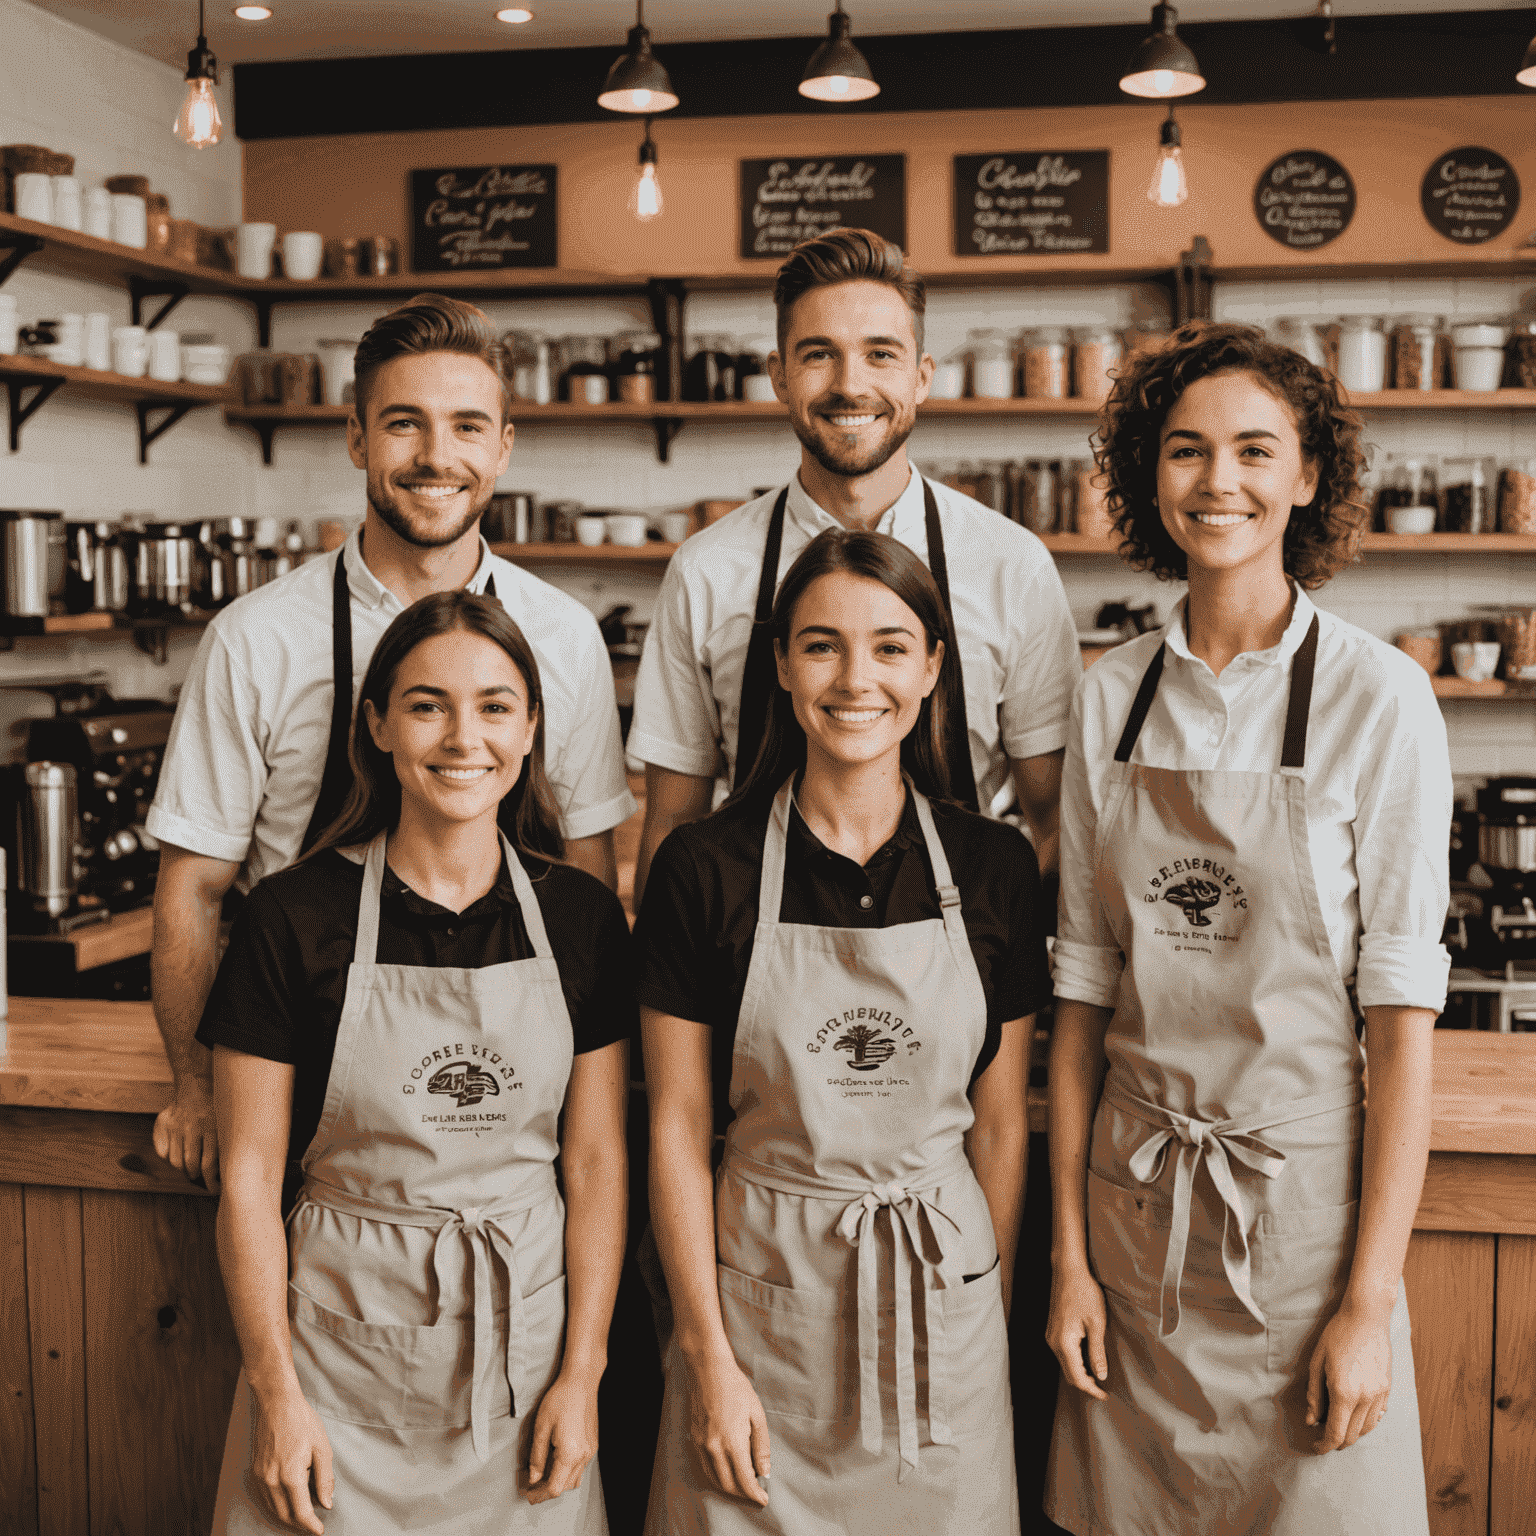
(1321, 537)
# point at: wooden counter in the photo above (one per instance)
(117, 1357)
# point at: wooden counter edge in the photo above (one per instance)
(86, 1149)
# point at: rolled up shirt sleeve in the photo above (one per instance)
(1043, 669)
(587, 775)
(676, 724)
(1088, 960)
(215, 771)
(1402, 834)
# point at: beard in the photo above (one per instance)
(843, 456)
(421, 532)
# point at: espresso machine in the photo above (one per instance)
(1506, 852)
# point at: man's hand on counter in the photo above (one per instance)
(185, 1135)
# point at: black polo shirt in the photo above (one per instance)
(281, 984)
(695, 931)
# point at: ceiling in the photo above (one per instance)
(317, 29)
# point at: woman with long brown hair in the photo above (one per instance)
(839, 970)
(414, 1022)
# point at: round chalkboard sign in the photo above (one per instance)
(1470, 195)
(1304, 199)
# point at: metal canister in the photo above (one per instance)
(35, 557)
(47, 837)
(163, 568)
(109, 575)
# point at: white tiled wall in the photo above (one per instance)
(72, 90)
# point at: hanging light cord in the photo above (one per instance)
(202, 34)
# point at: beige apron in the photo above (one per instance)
(1224, 1174)
(426, 1294)
(857, 1265)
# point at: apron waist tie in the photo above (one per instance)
(913, 1219)
(480, 1227)
(1215, 1142)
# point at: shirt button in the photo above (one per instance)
(450, 932)
(866, 902)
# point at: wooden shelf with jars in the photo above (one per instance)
(1371, 544)
(649, 553)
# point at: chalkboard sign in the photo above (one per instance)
(1032, 202)
(483, 216)
(793, 198)
(1304, 199)
(1470, 195)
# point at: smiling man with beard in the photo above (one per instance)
(850, 366)
(256, 765)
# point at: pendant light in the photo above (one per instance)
(838, 71)
(645, 200)
(638, 82)
(1162, 66)
(1526, 75)
(198, 122)
(1170, 185)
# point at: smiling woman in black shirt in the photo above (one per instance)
(840, 967)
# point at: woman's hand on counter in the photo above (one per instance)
(290, 1460)
(565, 1427)
(1353, 1364)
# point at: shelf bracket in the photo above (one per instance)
(141, 288)
(1192, 282)
(263, 307)
(666, 296)
(153, 637)
(667, 428)
(17, 247)
(148, 433)
(22, 411)
(266, 431)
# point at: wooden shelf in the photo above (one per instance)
(76, 623)
(1449, 543)
(1494, 688)
(650, 553)
(109, 386)
(1443, 399)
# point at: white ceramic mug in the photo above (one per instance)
(130, 220)
(302, 252)
(676, 526)
(65, 191)
(590, 528)
(98, 341)
(1475, 661)
(627, 529)
(165, 356)
(758, 387)
(130, 350)
(34, 196)
(253, 249)
(96, 212)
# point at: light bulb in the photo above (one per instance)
(198, 123)
(1170, 186)
(645, 201)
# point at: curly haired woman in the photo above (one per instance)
(1255, 820)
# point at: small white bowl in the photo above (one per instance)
(626, 528)
(1475, 661)
(1411, 519)
(1479, 335)
(590, 528)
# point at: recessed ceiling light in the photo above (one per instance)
(515, 14)
(254, 12)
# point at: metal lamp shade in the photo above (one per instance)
(1527, 71)
(638, 82)
(1162, 66)
(838, 71)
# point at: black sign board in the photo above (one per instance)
(1470, 195)
(1032, 202)
(483, 216)
(1304, 199)
(794, 197)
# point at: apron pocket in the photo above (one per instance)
(388, 1374)
(1303, 1261)
(793, 1345)
(974, 1374)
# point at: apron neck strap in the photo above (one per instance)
(758, 677)
(1293, 751)
(337, 777)
(770, 890)
(949, 892)
(366, 950)
(962, 776)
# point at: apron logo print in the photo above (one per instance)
(868, 1049)
(1194, 896)
(1195, 886)
(465, 1083)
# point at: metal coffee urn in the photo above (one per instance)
(47, 822)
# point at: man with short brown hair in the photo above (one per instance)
(850, 366)
(256, 765)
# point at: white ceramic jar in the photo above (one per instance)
(1478, 356)
(33, 193)
(96, 212)
(130, 220)
(1362, 353)
(65, 192)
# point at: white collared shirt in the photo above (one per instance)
(247, 748)
(1379, 794)
(1017, 639)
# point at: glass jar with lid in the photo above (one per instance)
(1467, 487)
(1416, 352)
(1409, 499)
(991, 365)
(1362, 353)
(584, 378)
(948, 378)
(1303, 336)
(633, 355)
(1045, 363)
(1096, 351)
(531, 366)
